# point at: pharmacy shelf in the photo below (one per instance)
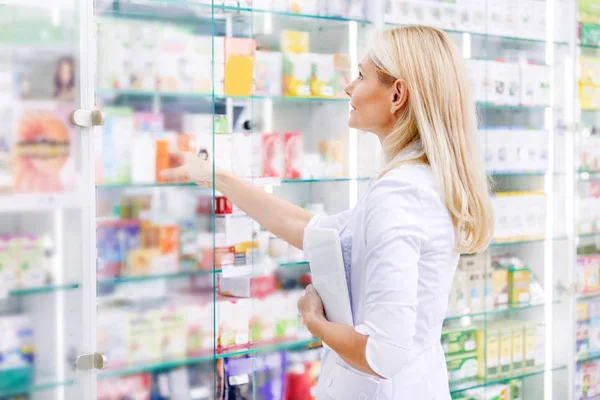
(478, 383)
(588, 296)
(493, 106)
(511, 174)
(42, 290)
(588, 175)
(292, 264)
(495, 37)
(500, 310)
(149, 94)
(588, 234)
(145, 278)
(588, 357)
(257, 182)
(189, 12)
(31, 202)
(164, 365)
(40, 384)
(516, 242)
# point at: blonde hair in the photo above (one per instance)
(440, 114)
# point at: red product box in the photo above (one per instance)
(293, 151)
(224, 256)
(272, 155)
(223, 206)
(247, 286)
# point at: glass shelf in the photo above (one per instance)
(499, 310)
(525, 241)
(488, 36)
(324, 180)
(182, 95)
(163, 365)
(478, 383)
(588, 175)
(588, 234)
(293, 264)
(190, 17)
(133, 279)
(588, 357)
(492, 106)
(38, 385)
(42, 289)
(117, 186)
(588, 296)
(509, 174)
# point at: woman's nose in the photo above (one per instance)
(348, 90)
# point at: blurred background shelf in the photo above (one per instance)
(477, 383)
(163, 365)
(41, 383)
(31, 202)
(499, 310)
(177, 275)
(42, 290)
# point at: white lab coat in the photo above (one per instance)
(400, 259)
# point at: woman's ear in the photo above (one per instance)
(400, 93)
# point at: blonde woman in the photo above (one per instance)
(402, 241)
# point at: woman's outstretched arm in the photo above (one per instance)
(280, 217)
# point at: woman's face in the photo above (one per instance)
(65, 72)
(371, 101)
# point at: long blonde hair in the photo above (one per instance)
(440, 113)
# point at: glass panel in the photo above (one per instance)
(42, 232)
(157, 262)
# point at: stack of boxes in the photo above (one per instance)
(515, 150)
(588, 328)
(493, 350)
(481, 283)
(519, 216)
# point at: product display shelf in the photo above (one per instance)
(588, 296)
(31, 202)
(177, 275)
(500, 310)
(588, 357)
(146, 13)
(291, 264)
(42, 290)
(488, 36)
(163, 365)
(40, 384)
(516, 174)
(479, 382)
(217, 97)
(525, 241)
(588, 175)
(588, 234)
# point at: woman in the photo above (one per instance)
(402, 241)
(64, 79)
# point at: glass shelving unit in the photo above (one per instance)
(91, 297)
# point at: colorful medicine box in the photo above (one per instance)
(459, 340)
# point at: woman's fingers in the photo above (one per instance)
(174, 174)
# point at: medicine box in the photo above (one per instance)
(462, 366)
(459, 340)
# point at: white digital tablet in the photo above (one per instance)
(323, 251)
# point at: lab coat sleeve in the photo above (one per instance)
(335, 221)
(393, 240)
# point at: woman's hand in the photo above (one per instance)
(189, 167)
(311, 308)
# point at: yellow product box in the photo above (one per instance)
(583, 311)
(322, 75)
(500, 286)
(506, 347)
(462, 366)
(459, 340)
(518, 347)
(488, 352)
(295, 42)
(519, 285)
(530, 345)
(297, 70)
